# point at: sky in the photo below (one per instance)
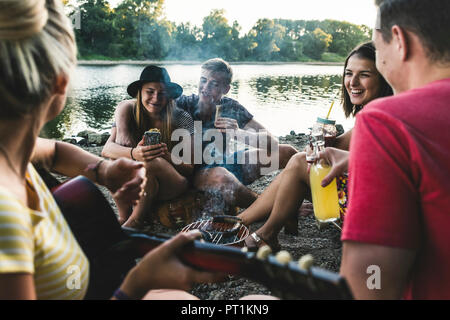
(247, 12)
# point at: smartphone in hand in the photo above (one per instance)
(152, 137)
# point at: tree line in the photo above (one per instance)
(137, 29)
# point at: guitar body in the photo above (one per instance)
(112, 251)
(97, 230)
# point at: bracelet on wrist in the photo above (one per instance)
(95, 169)
(131, 154)
(120, 295)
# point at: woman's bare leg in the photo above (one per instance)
(163, 182)
(261, 208)
(281, 200)
(292, 190)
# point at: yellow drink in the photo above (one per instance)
(325, 200)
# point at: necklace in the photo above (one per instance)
(8, 160)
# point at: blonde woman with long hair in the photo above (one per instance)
(153, 108)
(37, 248)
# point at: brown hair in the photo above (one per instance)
(364, 51)
(429, 20)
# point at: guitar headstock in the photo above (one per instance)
(289, 279)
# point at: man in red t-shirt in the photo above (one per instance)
(396, 237)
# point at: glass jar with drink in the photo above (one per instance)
(325, 199)
(325, 129)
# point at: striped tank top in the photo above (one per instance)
(38, 241)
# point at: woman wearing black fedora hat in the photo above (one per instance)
(153, 108)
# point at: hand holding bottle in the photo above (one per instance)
(338, 159)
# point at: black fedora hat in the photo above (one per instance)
(155, 74)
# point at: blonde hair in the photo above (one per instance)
(142, 122)
(37, 44)
(219, 65)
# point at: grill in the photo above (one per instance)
(223, 230)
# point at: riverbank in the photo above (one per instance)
(170, 62)
(324, 245)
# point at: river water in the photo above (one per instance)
(282, 97)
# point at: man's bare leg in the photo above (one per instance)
(234, 192)
(220, 180)
(286, 153)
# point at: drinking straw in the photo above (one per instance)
(330, 109)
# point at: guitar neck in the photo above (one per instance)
(285, 281)
(201, 255)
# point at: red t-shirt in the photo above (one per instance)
(399, 192)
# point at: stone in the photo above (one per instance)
(94, 138)
(85, 133)
(75, 140)
(70, 140)
(105, 137)
(80, 141)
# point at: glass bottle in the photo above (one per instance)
(325, 199)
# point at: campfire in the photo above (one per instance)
(223, 230)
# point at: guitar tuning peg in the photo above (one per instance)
(283, 257)
(244, 249)
(306, 262)
(263, 252)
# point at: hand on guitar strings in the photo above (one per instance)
(161, 268)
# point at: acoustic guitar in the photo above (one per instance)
(113, 251)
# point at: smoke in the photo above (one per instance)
(217, 202)
(244, 161)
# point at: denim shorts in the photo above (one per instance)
(230, 163)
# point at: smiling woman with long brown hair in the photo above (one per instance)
(280, 202)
